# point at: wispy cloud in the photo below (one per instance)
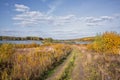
(30, 18)
(98, 19)
(22, 33)
(27, 17)
(21, 8)
(53, 6)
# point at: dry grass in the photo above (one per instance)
(101, 67)
(32, 65)
(105, 66)
(32, 45)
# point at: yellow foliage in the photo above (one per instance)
(108, 42)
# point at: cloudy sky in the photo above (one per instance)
(59, 19)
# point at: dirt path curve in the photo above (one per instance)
(61, 68)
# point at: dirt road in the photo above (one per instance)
(77, 72)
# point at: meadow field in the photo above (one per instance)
(99, 60)
(59, 39)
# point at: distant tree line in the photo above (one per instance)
(20, 38)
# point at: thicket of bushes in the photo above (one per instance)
(32, 65)
(108, 42)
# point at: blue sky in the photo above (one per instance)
(59, 19)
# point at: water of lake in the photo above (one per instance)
(21, 42)
(38, 42)
(83, 42)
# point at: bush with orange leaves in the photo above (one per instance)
(108, 42)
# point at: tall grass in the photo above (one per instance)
(32, 45)
(32, 65)
(6, 50)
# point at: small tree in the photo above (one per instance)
(48, 40)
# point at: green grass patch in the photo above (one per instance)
(67, 73)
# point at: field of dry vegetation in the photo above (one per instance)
(104, 57)
(99, 60)
(26, 64)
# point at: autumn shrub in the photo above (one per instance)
(108, 42)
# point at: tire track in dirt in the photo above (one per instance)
(61, 68)
(78, 70)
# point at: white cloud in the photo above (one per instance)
(97, 19)
(61, 20)
(21, 8)
(33, 18)
(30, 18)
